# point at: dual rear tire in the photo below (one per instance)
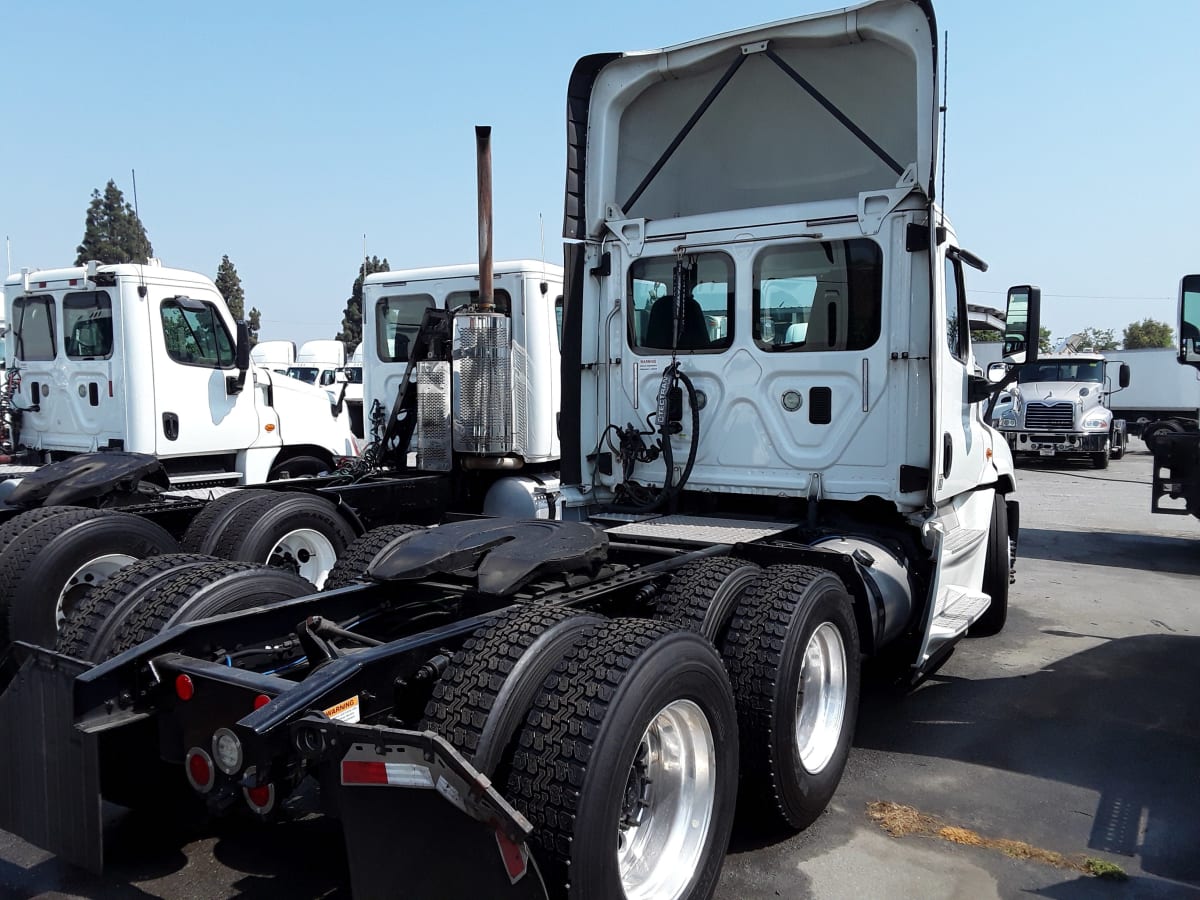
(620, 739)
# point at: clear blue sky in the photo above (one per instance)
(280, 134)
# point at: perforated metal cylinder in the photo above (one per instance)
(482, 396)
(433, 416)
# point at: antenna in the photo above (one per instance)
(8, 249)
(945, 120)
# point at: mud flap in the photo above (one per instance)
(418, 818)
(50, 792)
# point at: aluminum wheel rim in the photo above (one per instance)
(306, 550)
(668, 804)
(821, 699)
(89, 575)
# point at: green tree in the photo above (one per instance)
(112, 231)
(351, 333)
(1044, 344)
(229, 284)
(1148, 333)
(985, 335)
(1098, 339)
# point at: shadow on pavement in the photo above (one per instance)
(1180, 556)
(1122, 719)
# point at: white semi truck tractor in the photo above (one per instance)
(775, 462)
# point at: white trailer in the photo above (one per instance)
(1159, 388)
(148, 359)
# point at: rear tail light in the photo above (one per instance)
(261, 700)
(260, 799)
(199, 768)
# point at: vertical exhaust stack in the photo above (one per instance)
(483, 178)
(482, 384)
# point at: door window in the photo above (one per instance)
(195, 335)
(956, 311)
(87, 325)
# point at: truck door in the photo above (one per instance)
(960, 446)
(193, 355)
(71, 386)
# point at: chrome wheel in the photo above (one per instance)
(821, 699)
(92, 573)
(668, 804)
(307, 552)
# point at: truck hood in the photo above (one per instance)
(821, 107)
(1060, 392)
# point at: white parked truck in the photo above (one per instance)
(317, 362)
(274, 355)
(1060, 408)
(774, 463)
(453, 394)
(148, 359)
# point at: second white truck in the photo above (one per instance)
(1060, 408)
(149, 359)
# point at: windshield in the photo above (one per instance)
(1063, 370)
(304, 373)
(354, 374)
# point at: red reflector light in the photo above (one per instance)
(184, 688)
(261, 700)
(199, 769)
(73, 282)
(363, 772)
(259, 796)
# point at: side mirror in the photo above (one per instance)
(235, 383)
(1189, 321)
(1023, 320)
(1123, 375)
(978, 388)
(243, 347)
(996, 372)
(341, 376)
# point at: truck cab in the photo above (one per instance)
(520, 392)
(148, 359)
(766, 308)
(1060, 409)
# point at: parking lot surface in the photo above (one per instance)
(1076, 732)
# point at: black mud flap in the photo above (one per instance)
(418, 819)
(50, 781)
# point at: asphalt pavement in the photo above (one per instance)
(1073, 735)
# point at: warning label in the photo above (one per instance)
(346, 711)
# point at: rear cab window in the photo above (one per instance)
(816, 296)
(88, 325)
(33, 331)
(706, 323)
(397, 321)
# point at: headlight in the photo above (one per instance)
(1096, 421)
(1008, 419)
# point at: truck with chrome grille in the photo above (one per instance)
(775, 462)
(1060, 409)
